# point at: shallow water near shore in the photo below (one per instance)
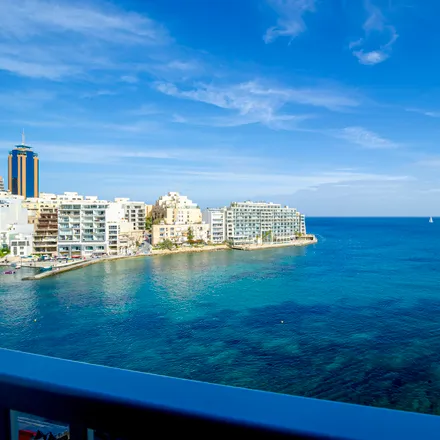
(355, 318)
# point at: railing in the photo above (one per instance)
(136, 405)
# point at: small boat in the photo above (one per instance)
(431, 220)
(9, 272)
(46, 269)
(18, 266)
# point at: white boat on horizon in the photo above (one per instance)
(431, 220)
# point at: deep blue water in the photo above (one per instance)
(360, 312)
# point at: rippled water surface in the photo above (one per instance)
(355, 318)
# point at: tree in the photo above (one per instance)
(266, 236)
(148, 223)
(4, 251)
(190, 235)
(166, 244)
(157, 221)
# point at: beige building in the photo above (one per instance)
(179, 233)
(175, 209)
(148, 210)
(173, 214)
(46, 231)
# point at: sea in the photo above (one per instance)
(354, 318)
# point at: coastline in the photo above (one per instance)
(185, 250)
(159, 252)
(258, 247)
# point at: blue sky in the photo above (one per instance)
(332, 106)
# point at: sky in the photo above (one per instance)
(330, 106)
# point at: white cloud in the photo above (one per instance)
(431, 114)
(245, 185)
(371, 58)
(376, 45)
(97, 93)
(58, 38)
(290, 21)
(254, 102)
(27, 19)
(364, 138)
(130, 79)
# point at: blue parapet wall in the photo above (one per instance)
(137, 405)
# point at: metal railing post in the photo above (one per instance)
(80, 432)
(8, 424)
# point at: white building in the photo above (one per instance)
(89, 226)
(20, 245)
(2, 184)
(82, 227)
(134, 212)
(258, 222)
(215, 218)
(14, 226)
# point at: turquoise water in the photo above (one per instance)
(360, 312)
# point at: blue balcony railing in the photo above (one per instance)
(129, 404)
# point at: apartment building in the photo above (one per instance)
(215, 218)
(173, 215)
(258, 222)
(179, 233)
(2, 184)
(46, 231)
(43, 214)
(82, 229)
(134, 212)
(175, 209)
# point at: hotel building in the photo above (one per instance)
(23, 171)
(260, 222)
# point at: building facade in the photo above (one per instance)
(178, 234)
(215, 218)
(21, 245)
(175, 209)
(14, 226)
(261, 222)
(43, 214)
(173, 215)
(134, 212)
(2, 184)
(46, 231)
(23, 171)
(82, 229)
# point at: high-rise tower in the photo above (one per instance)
(23, 170)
